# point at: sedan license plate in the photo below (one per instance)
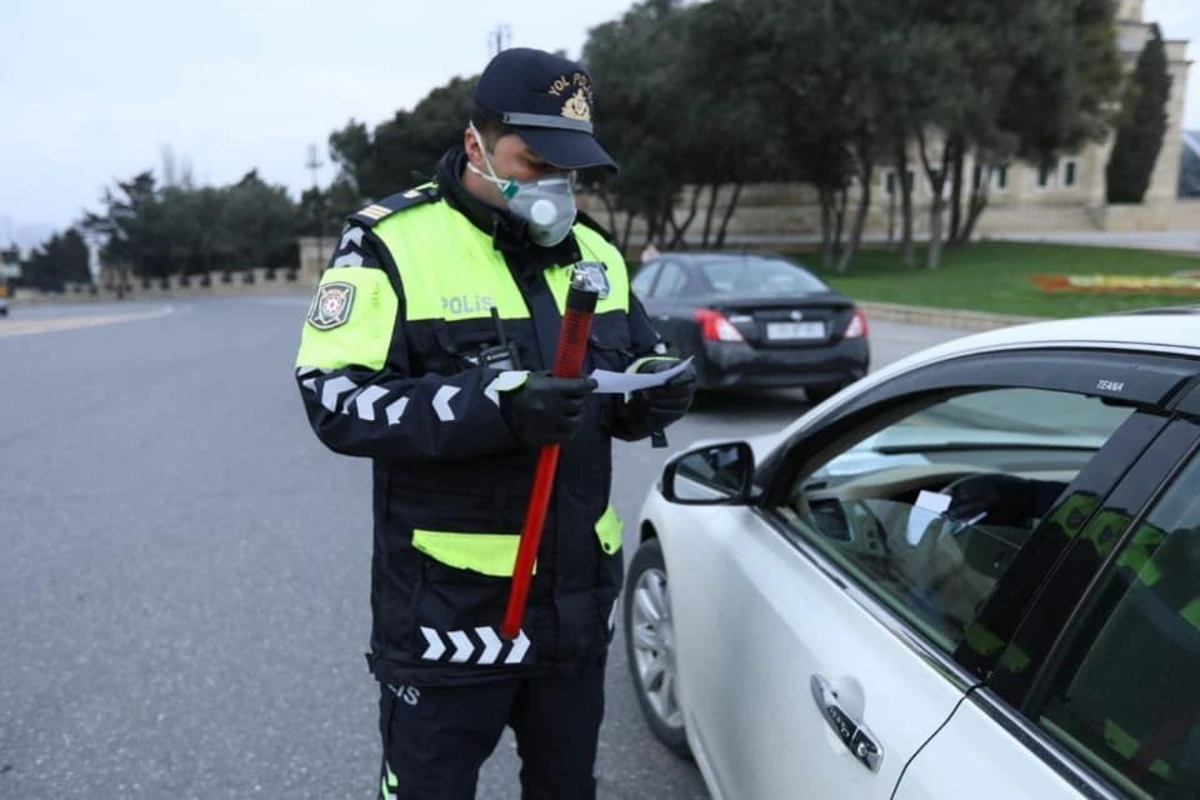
(795, 330)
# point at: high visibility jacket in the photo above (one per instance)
(393, 366)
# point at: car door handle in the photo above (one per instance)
(858, 740)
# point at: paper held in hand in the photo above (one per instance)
(625, 382)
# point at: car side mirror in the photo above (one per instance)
(719, 474)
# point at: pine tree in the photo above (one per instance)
(1140, 136)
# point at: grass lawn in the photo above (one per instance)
(995, 277)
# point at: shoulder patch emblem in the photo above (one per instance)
(331, 307)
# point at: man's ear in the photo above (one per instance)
(471, 145)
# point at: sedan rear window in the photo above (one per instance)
(754, 275)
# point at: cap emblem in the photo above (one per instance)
(577, 107)
(578, 104)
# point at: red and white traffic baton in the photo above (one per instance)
(568, 363)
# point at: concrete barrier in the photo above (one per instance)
(195, 288)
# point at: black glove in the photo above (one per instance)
(669, 402)
(545, 409)
(992, 499)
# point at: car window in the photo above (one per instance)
(1126, 698)
(928, 511)
(644, 279)
(671, 281)
(753, 274)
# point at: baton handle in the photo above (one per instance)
(568, 363)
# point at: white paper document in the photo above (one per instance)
(928, 508)
(625, 382)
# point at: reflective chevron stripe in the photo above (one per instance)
(396, 410)
(308, 377)
(363, 401)
(364, 404)
(463, 647)
(484, 648)
(441, 402)
(504, 382)
(332, 391)
(349, 253)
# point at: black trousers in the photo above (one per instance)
(435, 739)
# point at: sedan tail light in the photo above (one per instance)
(858, 325)
(715, 328)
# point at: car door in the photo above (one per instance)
(1105, 704)
(821, 645)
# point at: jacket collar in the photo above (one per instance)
(509, 233)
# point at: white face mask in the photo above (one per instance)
(546, 204)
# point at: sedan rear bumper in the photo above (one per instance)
(736, 364)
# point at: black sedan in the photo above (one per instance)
(755, 321)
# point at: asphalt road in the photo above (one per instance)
(184, 568)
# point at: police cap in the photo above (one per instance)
(548, 101)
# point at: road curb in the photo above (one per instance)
(943, 317)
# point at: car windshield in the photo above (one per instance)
(746, 274)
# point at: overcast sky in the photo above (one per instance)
(93, 91)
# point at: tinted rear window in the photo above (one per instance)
(735, 275)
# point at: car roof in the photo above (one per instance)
(1174, 330)
(715, 255)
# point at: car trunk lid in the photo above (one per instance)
(797, 321)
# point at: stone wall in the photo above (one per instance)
(257, 280)
(796, 217)
(1179, 215)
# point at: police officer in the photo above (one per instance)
(427, 348)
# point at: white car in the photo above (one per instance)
(972, 574)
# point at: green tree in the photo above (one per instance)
(130, 226)
(405, 149)
(730, 134)
(1000, 79)
(153, 231)
(1140, 136)
(819, 120)
(61, 259)
(350, 149)
(1058, 93)
(323, 211)
(641, 116)
(258, 222)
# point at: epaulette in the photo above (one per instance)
(587, 220)
(380, 210)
